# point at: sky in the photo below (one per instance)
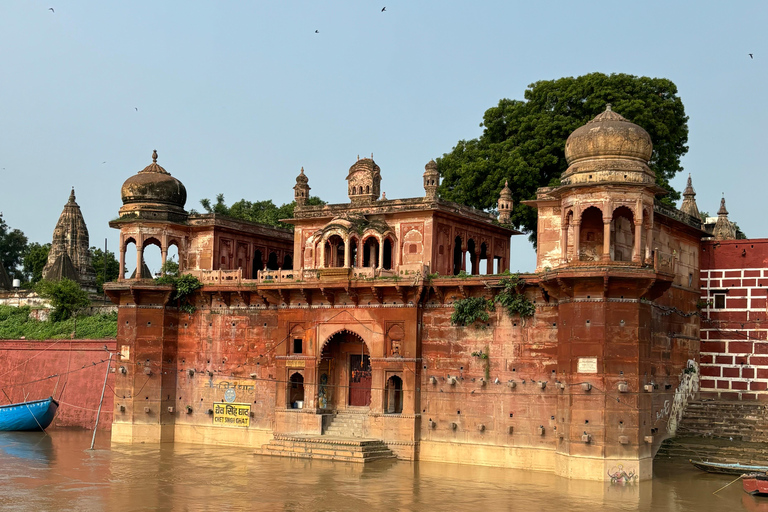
(238, 96)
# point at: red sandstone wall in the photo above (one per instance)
(734, 351)
(25, 366)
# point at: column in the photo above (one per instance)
(346, 253)
(576, 240)
(606, 240)
(380, 251)
(139, 255)
(164, 257)
(564, 244)
(321, 263)
(649, 242)
(637, 249)
(121, 276)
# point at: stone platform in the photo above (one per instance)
(344, 449)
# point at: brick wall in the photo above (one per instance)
(734, 326)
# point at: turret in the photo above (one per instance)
(431, 180)
(301, 189)
(505, 204)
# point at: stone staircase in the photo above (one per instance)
(721, 431)
(742, 421)
(328, 448)
(346, 424)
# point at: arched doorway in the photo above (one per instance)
(296, 391)
(622, 234)
(346, 361)
(393, 395)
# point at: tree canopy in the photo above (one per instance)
(524, 141)
(35, 259)
(113, 267)
(263, 212)
(66, 296)
(13, 244)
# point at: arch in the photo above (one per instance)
(129, 255)
(348, 330)
(622, 234)
(371, 249)
(457, 256)
(591, 234)
(173, 258)
(296, 390)
(471, 258)
(482, 259)
(258, 262)
(353, 251)
(367, 189)
(152, 258)
(287, 262)
(334, 250)
(387, 250)
(272, 261)
(393, 395)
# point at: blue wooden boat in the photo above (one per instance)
(35, 415)
(724, 468)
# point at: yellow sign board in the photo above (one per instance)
(232, 415)
(294, 363)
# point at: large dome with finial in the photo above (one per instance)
(153, 193)
(608, 148)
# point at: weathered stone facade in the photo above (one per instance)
(70, 254)
(361, 324)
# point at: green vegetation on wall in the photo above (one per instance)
(16, 323)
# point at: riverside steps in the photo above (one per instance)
(342, 449)
(721, 431)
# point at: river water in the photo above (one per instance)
(57, 472)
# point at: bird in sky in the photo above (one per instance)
(383, 9)
(137, 108)
(103, 162)
(317, 31)
(51, 9)
(750, 56)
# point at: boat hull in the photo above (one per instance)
(35, 415)
(756, 484)
(722, 468)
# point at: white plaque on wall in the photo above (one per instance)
(587, 365)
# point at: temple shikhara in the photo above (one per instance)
(335, 340)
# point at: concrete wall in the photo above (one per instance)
(78, 368)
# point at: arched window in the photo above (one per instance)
(258, 263)
(272, 261)
(393, 399)
(387, 253)
(622, 234)
(287, 262)
(296, 391)
(152, 258)
(371, 252)
(591, 235)
(457, 256)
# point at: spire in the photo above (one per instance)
(505, 204)
(72, 196)
(154, 156)
(431, 179)
(301, 189)
(689, 200)
(724, 228)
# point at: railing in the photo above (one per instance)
(235, 277)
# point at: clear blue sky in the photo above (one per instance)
(237, 96)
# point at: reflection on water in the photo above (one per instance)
(58, 472)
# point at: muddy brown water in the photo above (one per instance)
(58, 472)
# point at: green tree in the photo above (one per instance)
(66, 296)
(35, 258)
(113, 267)
(13, 245)
(524, 141)
(263, 212)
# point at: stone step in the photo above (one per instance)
(320, 447)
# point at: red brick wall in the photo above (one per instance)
(734, 350)
(26, 367)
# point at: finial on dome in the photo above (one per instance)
(383, 196)
(358, 158)
(724, 229)
(154, 156)
(608, 107)
(371, 156)
(302, 169)
(506, 183)
(72, 195)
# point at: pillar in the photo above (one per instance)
(139, 256)
(121, 276)
(606, 240)
(564, 244)
(380, 251)
(346, 253)
(576, 240)
(322, 254)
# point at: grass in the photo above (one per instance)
(15, 323)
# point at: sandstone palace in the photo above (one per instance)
(335, 340)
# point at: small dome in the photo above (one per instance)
(154, 186)
(366, 165)
(431, 167)
(609, 134)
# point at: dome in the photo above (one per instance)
(365, 165)
(608, 134)
(609, 149)
(154, 186)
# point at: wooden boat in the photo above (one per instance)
(35, 415)
(724, 468)
(756, 484)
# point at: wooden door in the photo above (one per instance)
(359, 380)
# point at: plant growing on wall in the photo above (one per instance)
(486, 362)
(470, 310)
(184, 285)
(512, 299)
